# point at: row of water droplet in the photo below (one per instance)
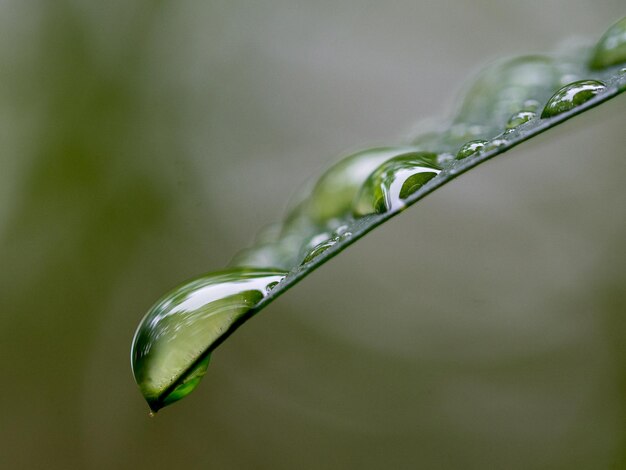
(171, 347)
(505, 99)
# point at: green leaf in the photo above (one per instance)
(510, 102)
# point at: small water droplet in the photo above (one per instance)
(181, 327)
(151, 414)
(270, 287)
(342, 229)
(572, 95)
(495, 143)
(611, 48)
(520, 118)
(318, 249)
(394, 181)
(470, 148)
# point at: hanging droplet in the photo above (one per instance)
(520, 118)
(611, 49)
(334, 192)
(572, 95)
(170, 351)
(394, 181)
(470, 148)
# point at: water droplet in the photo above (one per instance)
(611, 49)
(342, 229)
(321, 243)
(169, 353)
(572, 95)
(394, 181)
(495, 143)
(270, 287)
(520, 118)
(470, 148)
(334, 192)
(504, 88)
(151, 414)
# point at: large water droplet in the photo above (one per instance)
(170, 350)
(572, 95)
(611, 49)
(505, 88)
(334, 192)
(394, 181)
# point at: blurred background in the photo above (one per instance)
(146, 141)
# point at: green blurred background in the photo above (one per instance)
(146, 141)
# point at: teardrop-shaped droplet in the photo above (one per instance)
(470, 148)
(334, 192)
(572, 95)
(611, 49)
(520, 118)
(394, 181)
(170, 349)
(503, 89)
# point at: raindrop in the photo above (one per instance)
(394, 181)
(520, 118)
(182, 327)
(470, 148)
(572, 95)
(611, 49)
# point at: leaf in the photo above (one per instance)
(510, 102)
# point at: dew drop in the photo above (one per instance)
(572, 95)
(470, 148)
(183, 326)
(520, 118)
(611, 49)
(333, 194)
(495, 143)
(394, 181)
(313, 252)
